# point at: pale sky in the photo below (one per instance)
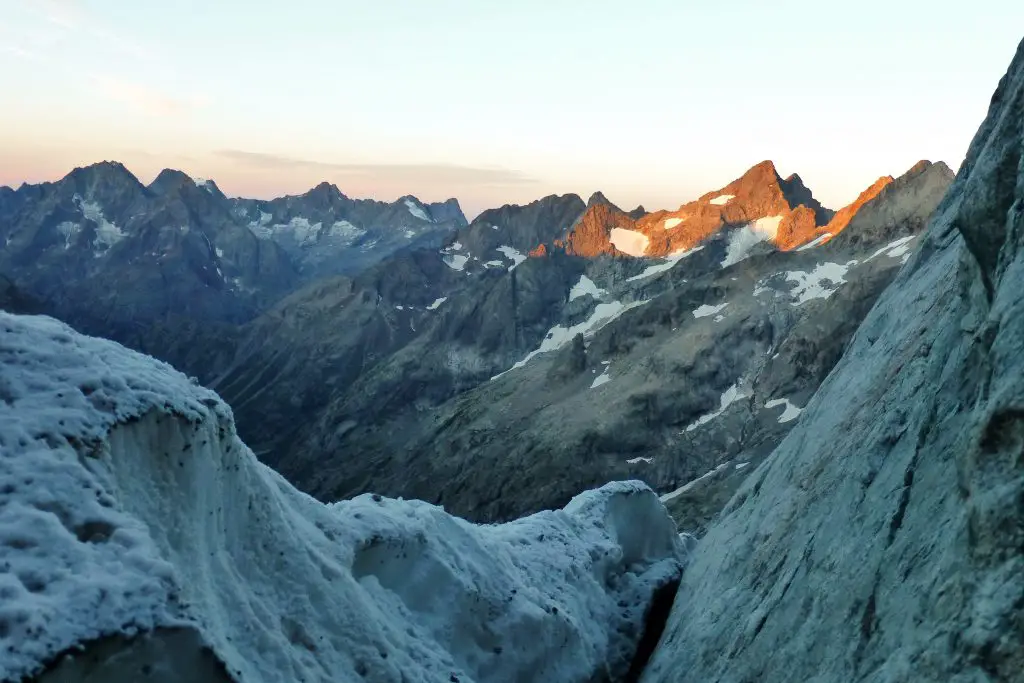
(494, 102)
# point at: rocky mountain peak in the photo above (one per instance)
(324, 197)
(599, 198)
(170, 180)
(111, 170)
(797, 194)
(447, 211)
(102, 180)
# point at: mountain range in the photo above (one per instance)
(496, 367)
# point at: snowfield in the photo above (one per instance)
(629, 242)
(135, 524)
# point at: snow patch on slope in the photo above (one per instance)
(746, 238)
(133, 506)
(261, 227)
(895, 249)
(820, 239)
(790, 413)
(731, 395)
(585, 286)
(455, 261)
(705, 310)
(107, 234)
(690, 484)
(416, 211)
(345, 230)
(673, 222)
(820, 283)
(437, 303)
(602, 379)
(513, 255)
(722, 199)
(670, 261)
(558, 336)
(629, 242)
(300, 229)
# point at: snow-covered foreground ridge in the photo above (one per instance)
(134, 522)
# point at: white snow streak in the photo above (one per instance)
(690, 484)
(673, 222)
(815, 242)
(731, 395)
(894, 249)
(722, 199)
(559, 336)
(670, 261)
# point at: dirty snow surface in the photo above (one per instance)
(128, 503)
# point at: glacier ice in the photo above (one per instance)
(129, 508)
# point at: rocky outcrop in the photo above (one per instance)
(522, 228)
(882, 540)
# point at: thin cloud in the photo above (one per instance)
(142, 97)
(439, 173)
(18, 51)
(65, 13)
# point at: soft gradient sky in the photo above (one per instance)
(652, 101)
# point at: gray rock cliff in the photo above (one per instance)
(883, 540)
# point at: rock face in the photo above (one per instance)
(884, 538)
(140, 539)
